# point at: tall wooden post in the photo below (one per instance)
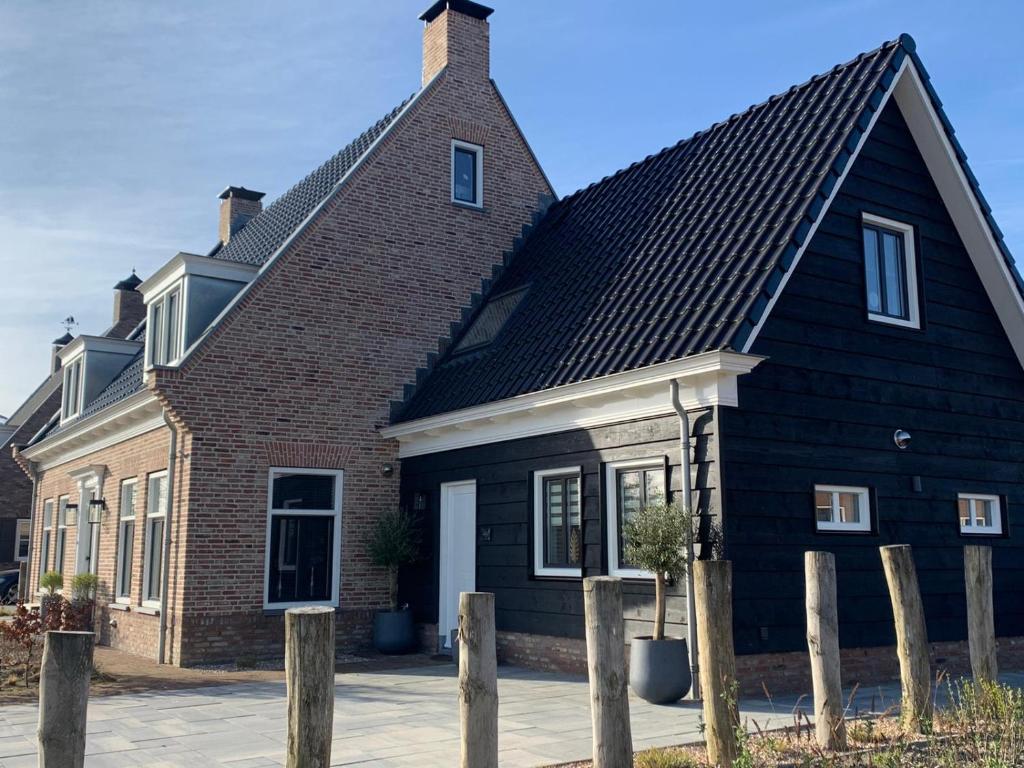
(981, 629)
(911, 636)
(606, 668)
(823, 646)
(309, 668)
(64, 698)
(478, 680)
(713, 591)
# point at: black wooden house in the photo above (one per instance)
(815, 274)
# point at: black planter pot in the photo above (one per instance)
(393, 631)
(659, 670)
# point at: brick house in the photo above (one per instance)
(227, 462)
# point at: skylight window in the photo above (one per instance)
(490, 320)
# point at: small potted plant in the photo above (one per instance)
(395, 543)
(51, 581)
(655, 541)
(83, 599)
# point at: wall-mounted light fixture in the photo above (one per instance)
(902, 438)
(419, 501)
(70, 515)
(387, 469)
(96, 509)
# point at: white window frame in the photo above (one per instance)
(539, 569)
(611, 470)
(47, 538)
(22, 529)
(132, 482)
(71, 401)
(477, 150)
(913, 319)
(339, 484)
(147, 556)
(62, 532)
(160, 348)
(971, 529)
(835, 525)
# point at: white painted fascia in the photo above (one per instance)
(85, 343)
(705, 380)
(184, 264)
(954, 188)
(122, 421)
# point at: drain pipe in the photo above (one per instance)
(165, 579)
(691, 605)
(23, 589)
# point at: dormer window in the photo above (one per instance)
(467, 174)
(164, 342)
(72, 398)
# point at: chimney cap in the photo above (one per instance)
(64, 340)
(468, 7)
(240, 192)
(130, 283)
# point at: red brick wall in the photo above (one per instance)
(302, 372)
(136, 632)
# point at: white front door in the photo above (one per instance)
(458, 554)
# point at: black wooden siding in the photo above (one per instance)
(544, 605)
(825, 404)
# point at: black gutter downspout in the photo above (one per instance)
(172, 454)
(691, 606)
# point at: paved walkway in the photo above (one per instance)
(384, 719)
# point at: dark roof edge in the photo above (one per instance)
(467, 7)
(200, 342)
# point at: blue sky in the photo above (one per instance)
(122, 121)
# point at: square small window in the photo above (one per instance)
(980, 514)
(21, 541)
(890, 272)
(558, 522)
(467, 173)
(842, 509)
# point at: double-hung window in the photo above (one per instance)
(62, 533)
(631, 486)
(842, 508)
(125, 540)
(44, 542)
(72, 393)
(164, 328)
(467, 173)
(153, 561)
(303, 550)
(24, 528)
(890, 271)
(980, 514)
(557, 522)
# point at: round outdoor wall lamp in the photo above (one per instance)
(902, 439)
(387, 470)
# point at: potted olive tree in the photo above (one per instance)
(655, 541)
(395, 542)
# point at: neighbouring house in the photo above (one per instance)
(809, 280)
(821, 280)
(31, 417)
(227, 462)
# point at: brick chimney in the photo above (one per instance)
(129, 309)
(456, 36)
(238, 206)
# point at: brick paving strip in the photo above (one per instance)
(383, 717)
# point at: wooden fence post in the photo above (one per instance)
(823, 646)
(713, 590)
(606, 668)
(911, 636)
(478, 680)
(309, 669)
(64, 698)
(981, 630)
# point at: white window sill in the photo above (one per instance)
(899, 322)
(119, 606)
(148, 610)
(631, 573)
(981, 532)
(558, 573)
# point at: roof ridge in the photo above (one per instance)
(903, 39)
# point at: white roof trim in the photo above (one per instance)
(957, 195)
(85, 343)
(705, 380)
(193, 264)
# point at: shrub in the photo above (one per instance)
(83, 586)
(395, 542)
(656, 540)
(665, 758)
(51, 581)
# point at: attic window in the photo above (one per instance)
(490, 320)
(164, 344)
(72, 389)
(467, 174)
(890, 272)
